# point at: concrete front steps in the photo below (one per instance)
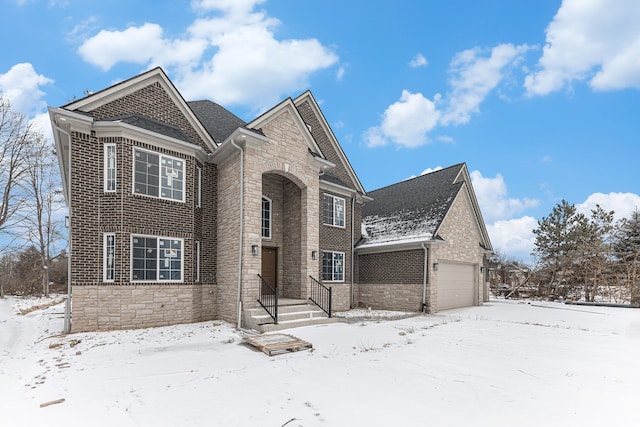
(291, 314)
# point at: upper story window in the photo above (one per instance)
(110, 167)
(266, 217)
(156, 259)
(198, 186)
(333, 210)
(158, 175)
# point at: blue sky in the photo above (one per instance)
(540, 98)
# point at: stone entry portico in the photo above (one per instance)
(276, 163)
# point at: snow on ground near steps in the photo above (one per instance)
(504, 363)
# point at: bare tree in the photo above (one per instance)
(16, 138)
(42, 188)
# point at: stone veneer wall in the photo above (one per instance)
(108, 307)
(462, 237)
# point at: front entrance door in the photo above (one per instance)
(269, 268)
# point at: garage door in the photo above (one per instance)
(455, 286)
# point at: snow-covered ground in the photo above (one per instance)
(505, 363)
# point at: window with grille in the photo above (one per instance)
(158, 175)
(110, 167)
(333, 210)
(266, 217)
(156, 259)
(332, 266)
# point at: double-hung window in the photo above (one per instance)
(109, 266)
(332, 266)
(333, 210)
(156, 259)
(158, 175)
(198, 187)
(110, 168)
(266, 217)
(197, 261)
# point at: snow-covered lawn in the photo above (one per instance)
(505, 363)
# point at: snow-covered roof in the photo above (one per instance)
(411, 210)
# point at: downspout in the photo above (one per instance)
(67, 305)
(241, 245)
(424, 278)
(353, 251)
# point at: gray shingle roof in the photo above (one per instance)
(411, 209)
(333, 179)
(217, 120)
(153, 125)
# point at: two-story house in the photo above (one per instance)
(182, 212)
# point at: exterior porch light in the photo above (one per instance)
(314, 255)
(254, 250)
(436, 266)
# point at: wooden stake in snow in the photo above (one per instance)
(52, 402)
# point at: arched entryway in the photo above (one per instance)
(282, 235)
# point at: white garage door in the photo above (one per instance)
(455, 286)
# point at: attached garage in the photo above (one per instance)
(456, 285)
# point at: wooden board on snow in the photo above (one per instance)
(273, 344)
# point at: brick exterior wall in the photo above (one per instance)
(324, 142)
(151, 101)
(391, 280)
(94, 212)
(337, 239)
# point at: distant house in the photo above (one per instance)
(183, 212)
(424, 245)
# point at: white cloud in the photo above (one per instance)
(230, 54)
(418, 61)
(42, 123)
(474, 76)
(235, 7)
(622, 203)
(493, 200)
(590, 40)
(514, 237)
(22, 85)
(135, 44)
(446, 139)
(405, 122)
(340, 73)
(426, 171)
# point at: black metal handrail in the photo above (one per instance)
(321, 295)
(269, 301)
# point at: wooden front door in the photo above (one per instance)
(269, 268)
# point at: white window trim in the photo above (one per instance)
(106, 167)
(161, 155)
(146, 236)
(333, 266)
(198, 187)
(270, 218)
(197, 261)
(105, 237)
(344, 203)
